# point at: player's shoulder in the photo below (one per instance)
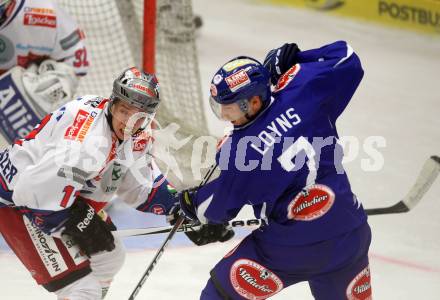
(47, 11)
(83, 122)
(81, 108)
(87, 102)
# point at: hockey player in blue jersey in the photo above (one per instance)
(283, 158)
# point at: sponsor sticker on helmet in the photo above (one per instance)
(287, 77)
(142, 88)
(217, 79)
(136, 72)
(253, 281)
(360, 287)
(311, 203)
(238, 63)
(237, 80)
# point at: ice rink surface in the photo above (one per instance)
(399, 99)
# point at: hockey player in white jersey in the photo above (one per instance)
(42, 56)
(55, 182)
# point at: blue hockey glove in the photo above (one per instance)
(281, 59)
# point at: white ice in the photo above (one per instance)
(398, 99)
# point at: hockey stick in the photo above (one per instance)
(182, 228)
(424, 181)
(426, 178)
(159, 253)
(165, 243)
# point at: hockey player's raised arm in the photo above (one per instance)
(334, 72)
(327, 76)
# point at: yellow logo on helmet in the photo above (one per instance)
(238, 63)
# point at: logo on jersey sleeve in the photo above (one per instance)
(72, 39)
(85, 128)
(360, 287)
(287, 77)
(73, 130)
(141, 141)
(158, 209)
(253, 281)
(311, 203)
(81, 125)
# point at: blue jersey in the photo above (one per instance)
(286, 162)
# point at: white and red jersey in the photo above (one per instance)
(35, 30)
(74, 152)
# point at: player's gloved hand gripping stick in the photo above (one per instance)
(178, 222)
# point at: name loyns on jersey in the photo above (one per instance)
(276, 128)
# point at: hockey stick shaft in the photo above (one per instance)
(165, 243)
(183, 228)
(424, 181)
(155, 259)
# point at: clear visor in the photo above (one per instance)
(228, 112)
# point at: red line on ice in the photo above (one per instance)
(403, 263)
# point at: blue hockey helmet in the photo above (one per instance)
(238, 81)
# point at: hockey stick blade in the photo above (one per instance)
(426, 178)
